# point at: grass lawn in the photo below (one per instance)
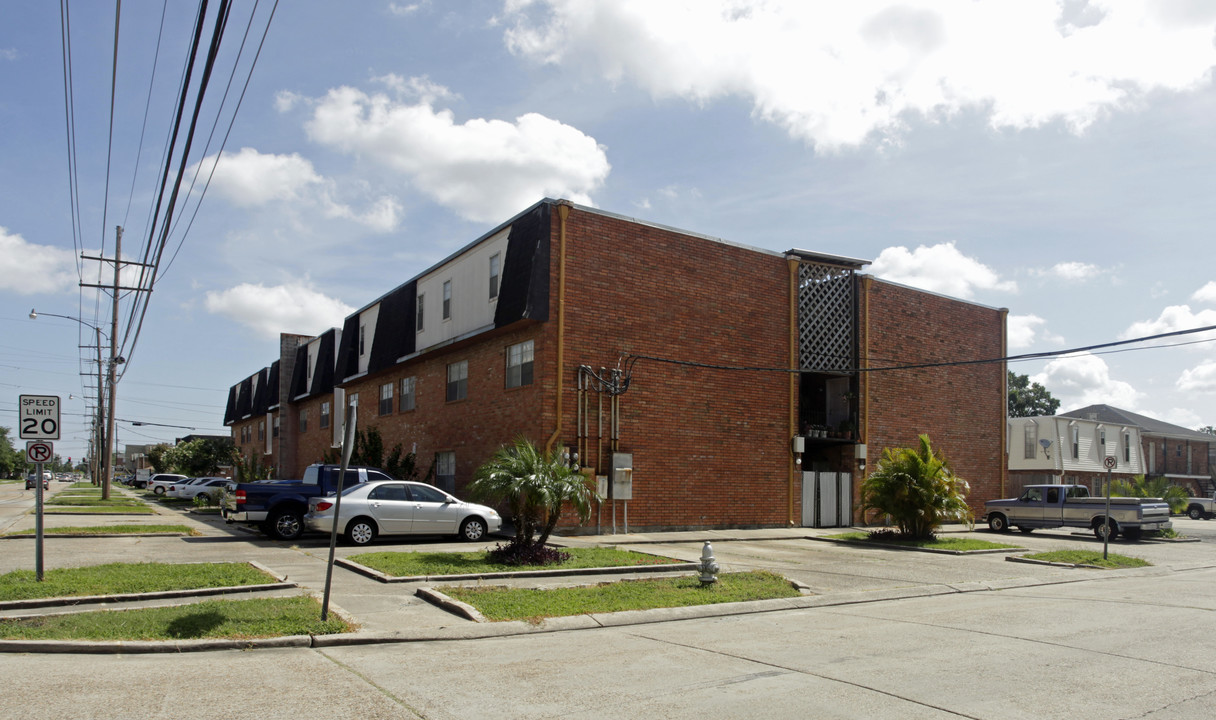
(500, 603)
(1089, 557)
(408, 564)
(113, 530)
(940, 543)
(92, 500)
(99, 509)
(227, 619)
(122, 578)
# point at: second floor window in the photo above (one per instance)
(1032, 441)
(362, 335)
(447, 299)
(324, 421)
(494, 276)
(386, 399)
(458, 381)
(408, 388)
(519, 364)
(419, 314)
(1127, 447)
(1076, 443)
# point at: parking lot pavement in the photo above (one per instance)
(834, 572)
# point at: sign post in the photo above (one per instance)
(38, 421)
(38, 452)
(1110, 463)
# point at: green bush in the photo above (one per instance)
(1176, 495)
(917, 490)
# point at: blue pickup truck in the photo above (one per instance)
(278, 506)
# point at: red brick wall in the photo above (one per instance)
(474, 428)
(711, 447)
(961, 407)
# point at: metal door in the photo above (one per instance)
(827, 499)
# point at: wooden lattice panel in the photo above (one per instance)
(825, 318)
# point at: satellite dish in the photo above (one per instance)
(1045, 443)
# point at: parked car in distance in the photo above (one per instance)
(31, 481)
(179, 489)
(208, 487)
(160, 482)
(1055, 506)
(1201, 508)
(396, 507)
(278, 506)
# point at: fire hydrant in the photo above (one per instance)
(709, 565)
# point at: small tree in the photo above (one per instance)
(535, 485)
(1027, 399)
(1158, 487)
(917, 489)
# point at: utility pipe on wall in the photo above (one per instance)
(563, 211)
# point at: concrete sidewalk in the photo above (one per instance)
(834, 574)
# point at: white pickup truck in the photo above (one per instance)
(1054, 506)
(1201, 508)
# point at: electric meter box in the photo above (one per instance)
(621, 476)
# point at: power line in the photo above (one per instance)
(630, 359)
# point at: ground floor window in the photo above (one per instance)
(519, 364)
(458, 381)
(386, 399)
(445, 471)
(408, 387)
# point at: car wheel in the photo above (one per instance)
(360, 531)
(472, 529)
(1194, 512)
(1100, 530)
(285, 525)
(998, 523)
(158, 490)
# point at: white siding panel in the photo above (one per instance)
(367, 323)
(472, 307)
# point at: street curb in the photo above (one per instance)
(939, 551)
(282, 584)
(95, 535)
(624, 569)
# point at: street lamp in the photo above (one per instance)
(108, 443)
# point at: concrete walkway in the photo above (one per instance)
(834, 574)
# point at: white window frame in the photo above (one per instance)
(447, 299)
(386, 399)
(409, 394)
(520, 356)
(458, 381)
(495, 265)
(323, 422)
(1030, 449)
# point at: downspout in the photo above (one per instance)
(793, 390)
(563, 211)
(863, 422)
(1004, 400)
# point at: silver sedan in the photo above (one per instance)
(393, 507)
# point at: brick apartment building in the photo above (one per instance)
(741, 387)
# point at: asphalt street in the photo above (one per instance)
(895, 633)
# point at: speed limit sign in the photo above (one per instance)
(38, 417)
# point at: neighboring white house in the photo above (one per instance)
(1062, 450)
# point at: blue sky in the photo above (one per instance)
(1053, 158)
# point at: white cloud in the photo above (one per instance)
(833, 73)
(1206, 294)
(1023, 330)
(1071, 271)
(251, 179)
(29, 269)
(1173, 319)
(407, 9)
(1081, 380)
(941, 269)
(1199, 379)
(485, 170)
(293, 307)
(9, 54)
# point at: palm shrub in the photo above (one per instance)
(917, 489)
(535, 485)
(1158, 487)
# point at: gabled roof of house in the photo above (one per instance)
(1152, 426)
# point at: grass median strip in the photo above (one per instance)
(124, 578)
(502, 603)
(409, 564)
(212, 619)
(113, 530)
(1089, 557)
(939, 543)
